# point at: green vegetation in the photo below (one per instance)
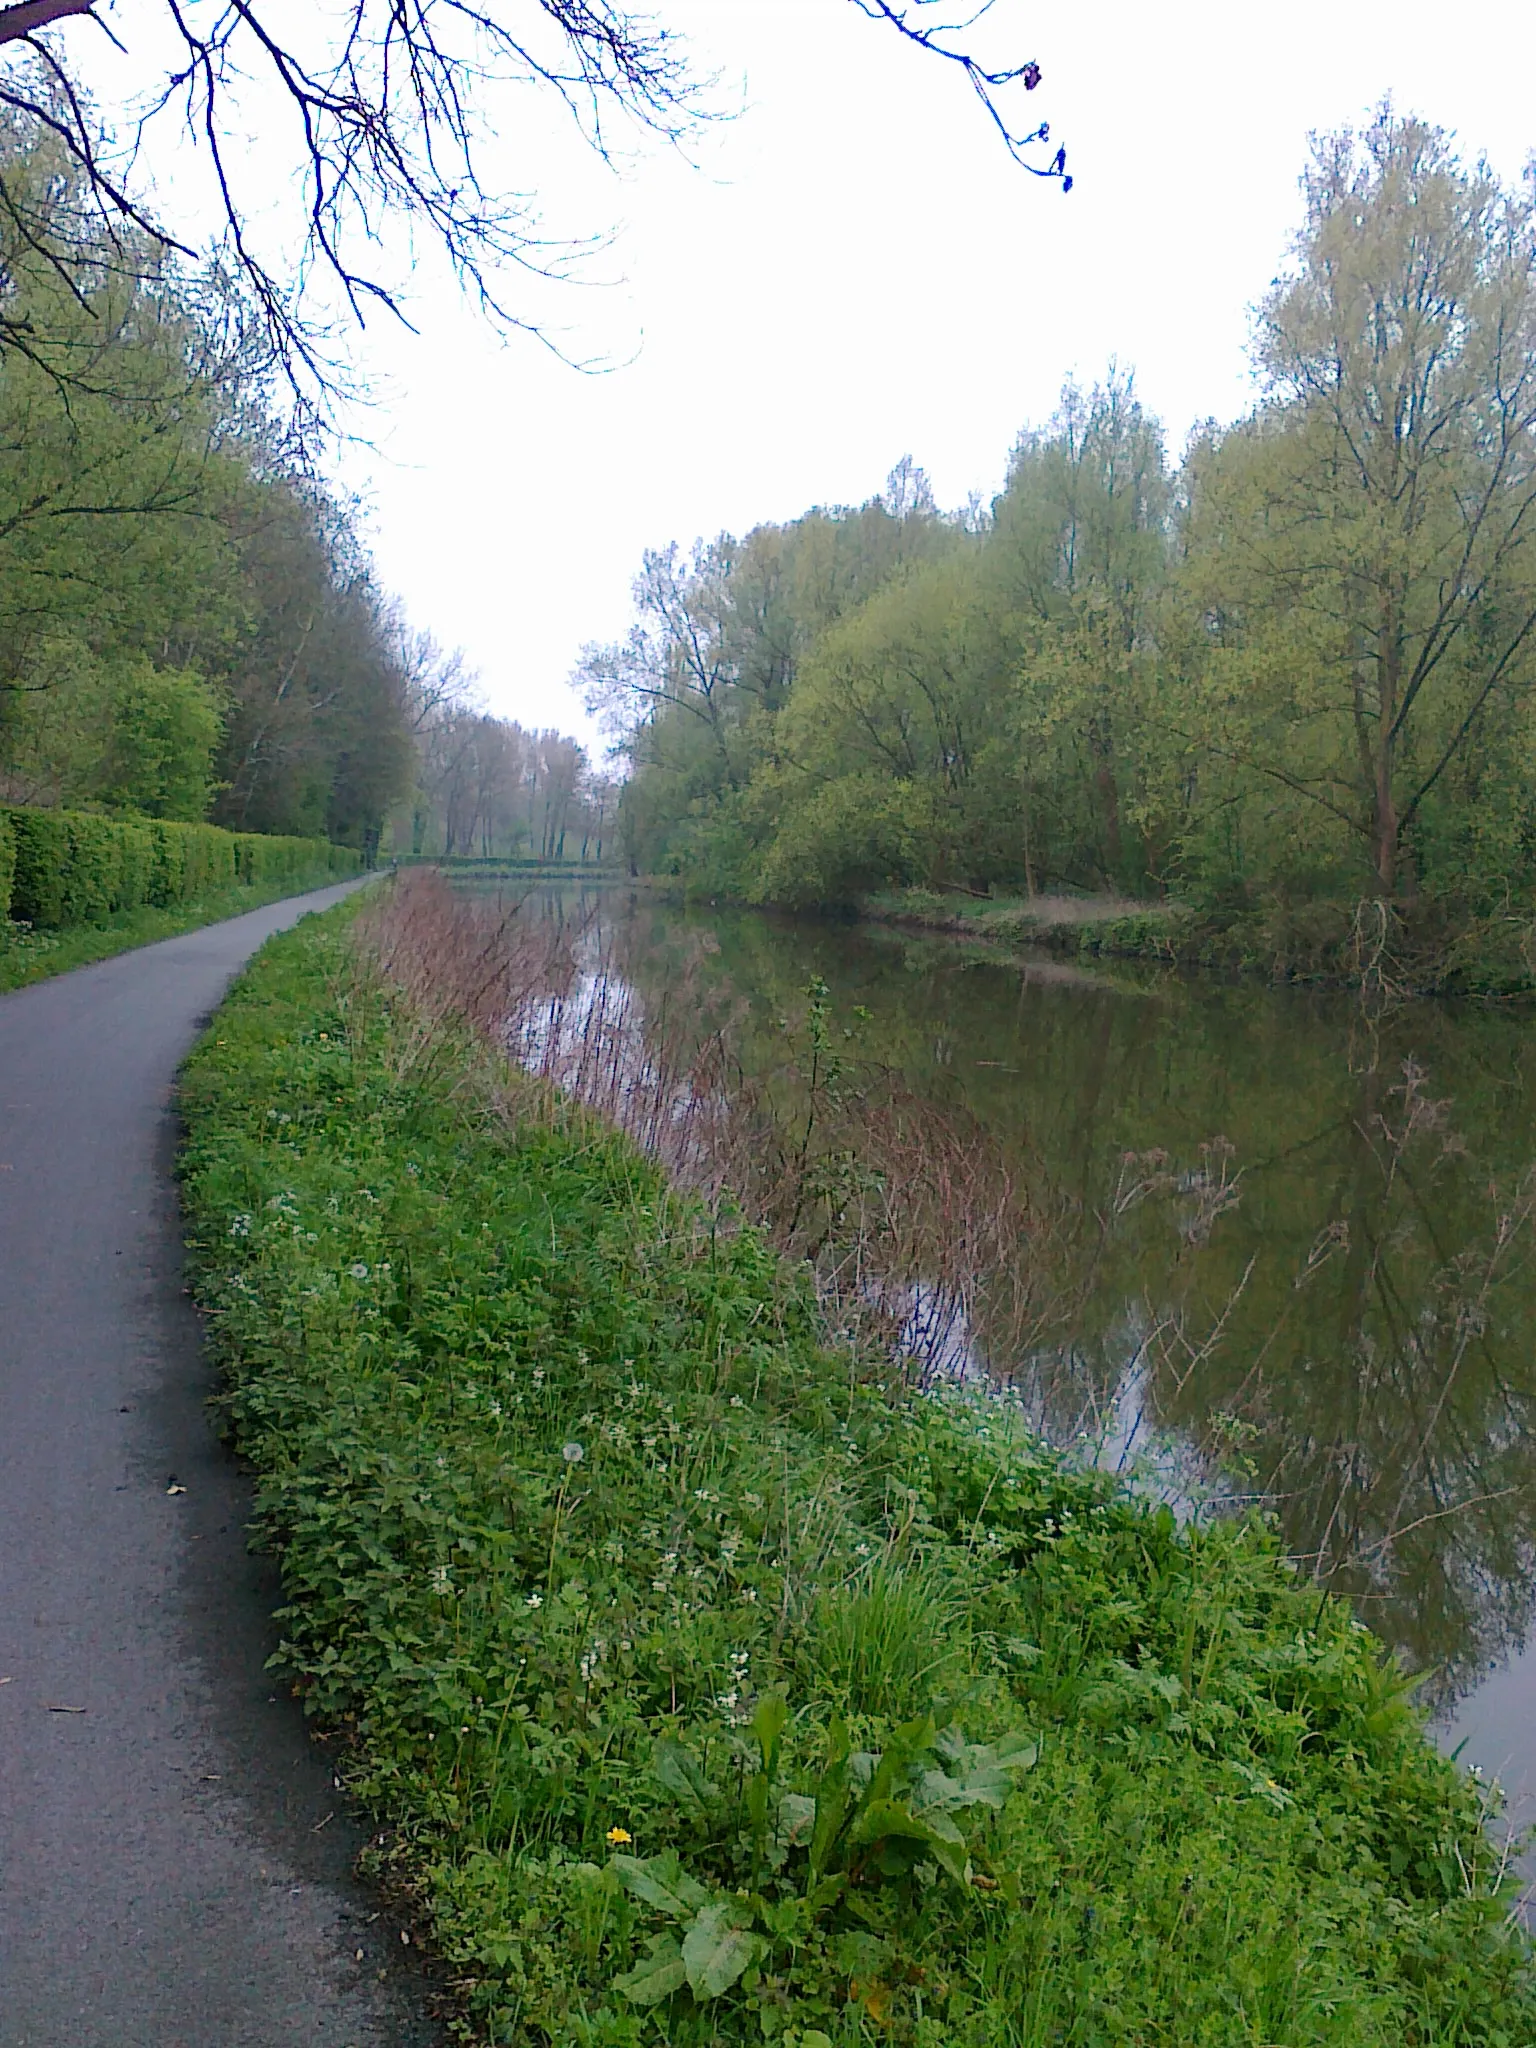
(1288, 674)
(190, 626)
(75, 887)
(715, 1686)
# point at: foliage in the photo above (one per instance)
(1293, 670)
(719, 1688)
(70, 867)
(187, 621)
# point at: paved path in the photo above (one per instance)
(168, 1874)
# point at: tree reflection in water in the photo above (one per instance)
(1272, 1247)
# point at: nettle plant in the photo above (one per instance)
(834, 1873)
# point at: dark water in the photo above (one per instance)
(1295, 1237)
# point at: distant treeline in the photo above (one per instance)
(490, 789)
(1294, 667)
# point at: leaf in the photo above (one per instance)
(678, 1771)
(656, 1976)
(877, 2001)
(768, 1724)
(717, 1948)
(979, 1774)
(797, 1820)
(885, 1819)
(831, 1811)
(662, 1882)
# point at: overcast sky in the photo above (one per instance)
(857, 270)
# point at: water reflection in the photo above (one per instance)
(1295, 1244)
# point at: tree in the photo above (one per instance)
(1076, 561)
(1365, 549)
(386, 109)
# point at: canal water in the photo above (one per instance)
(1295, 1237)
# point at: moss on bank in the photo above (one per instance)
(717, 1689)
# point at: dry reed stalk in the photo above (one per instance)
(911, 1219)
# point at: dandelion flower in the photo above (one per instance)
(619, 1838)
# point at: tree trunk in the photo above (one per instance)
(1384, 802)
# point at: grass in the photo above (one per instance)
(27, 955)
(712, 1686)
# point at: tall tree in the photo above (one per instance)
(1366, 547)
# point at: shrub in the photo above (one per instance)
(62, 868)
(7, 858)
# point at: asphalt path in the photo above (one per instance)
(174, 1857)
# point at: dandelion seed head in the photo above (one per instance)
(573, 1453)
(358, 1270)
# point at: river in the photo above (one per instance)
(1294, 1238)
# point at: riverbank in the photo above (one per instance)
(28, 955)
(1433, 951)
(711, 1686)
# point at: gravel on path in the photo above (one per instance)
(174, 1858)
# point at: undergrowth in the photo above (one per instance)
(712, 1686)
(1436, 947)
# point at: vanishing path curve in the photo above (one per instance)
(169, 1876)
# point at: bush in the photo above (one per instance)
(62, 868)
(7, 858)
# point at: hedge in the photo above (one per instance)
(61, 868)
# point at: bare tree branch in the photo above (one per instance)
(987, 84)
(389, 106)
(28, 16)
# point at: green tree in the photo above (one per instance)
(1364, 550)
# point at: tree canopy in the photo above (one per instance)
(188, 622)
(1295, 664)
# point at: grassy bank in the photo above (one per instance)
(1432, 949)
(27, 955)
(714, 1688)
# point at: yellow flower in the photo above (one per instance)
(619, 1838)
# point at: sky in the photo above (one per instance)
(851, 269)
